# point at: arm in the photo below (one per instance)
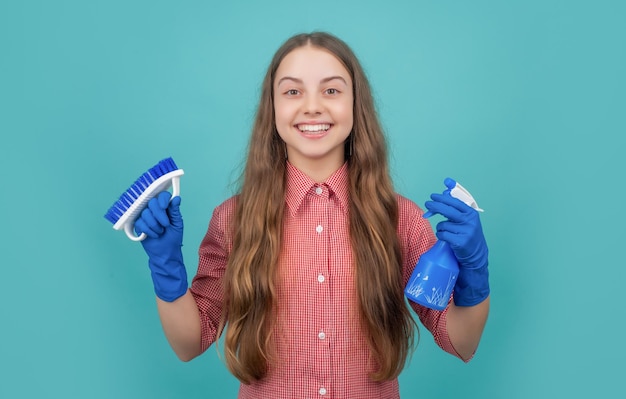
(189, 317)
(465, 327)
(191, 322)
(417, 238)
(163, 224)
(181, 323)
(467, 312)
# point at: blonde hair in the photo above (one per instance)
(249, 283)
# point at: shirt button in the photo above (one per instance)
(319, 228)
(321, 335)
(321, 278)
(322, 391)
(318, 190)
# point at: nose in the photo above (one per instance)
(313, 105)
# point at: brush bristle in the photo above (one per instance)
(139, 186)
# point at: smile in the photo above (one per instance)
(319, 128)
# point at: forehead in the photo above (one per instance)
(311, 63)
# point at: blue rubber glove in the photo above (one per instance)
(163, 225)
(464, 233)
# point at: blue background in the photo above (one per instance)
(522, 101)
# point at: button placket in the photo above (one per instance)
(322, 240)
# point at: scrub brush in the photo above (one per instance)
(133, 201)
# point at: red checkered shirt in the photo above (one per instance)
(323, 351)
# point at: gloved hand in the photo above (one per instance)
(464, 233)
(163, 225)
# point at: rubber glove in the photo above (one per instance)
(464, 233)
(163, 224)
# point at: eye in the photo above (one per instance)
(332, 91)
(292, 92)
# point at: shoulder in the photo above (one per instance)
(219, 233)
(226, 208)
(224, 213)
(407, 208)
(411, 224)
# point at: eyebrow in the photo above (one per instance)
(299, 81)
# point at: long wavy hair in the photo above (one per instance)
(250, 280)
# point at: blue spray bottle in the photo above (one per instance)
(435, 274)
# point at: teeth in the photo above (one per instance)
(314, 128)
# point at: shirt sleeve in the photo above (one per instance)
(207, 285)
(416, 237)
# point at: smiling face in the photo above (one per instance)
(313, 108)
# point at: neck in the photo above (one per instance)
(318, 171)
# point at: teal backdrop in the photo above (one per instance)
(522, 101)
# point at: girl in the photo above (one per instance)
(304, 269)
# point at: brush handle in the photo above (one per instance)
(129, 227)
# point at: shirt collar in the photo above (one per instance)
(299, 185)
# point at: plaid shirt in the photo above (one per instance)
(323, 351)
